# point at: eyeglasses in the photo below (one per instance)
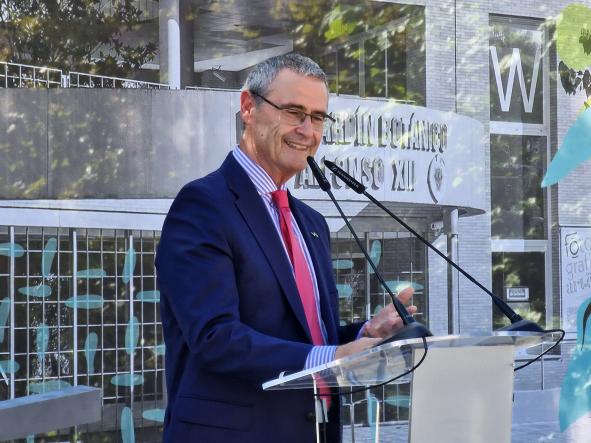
(296, 117)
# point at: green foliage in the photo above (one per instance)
(341, 21)
(573, 45)
(79, 35)
(330, 31)
(572, 29)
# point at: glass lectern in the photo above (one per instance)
(460, 393)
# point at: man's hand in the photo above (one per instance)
(386, 322)
(356, 346)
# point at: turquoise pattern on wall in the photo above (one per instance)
(128, 265)
(90, 350)
(342, 264)
(154, 415)
(47, 257)
(48, 386)
(575, 394)
(9, 366)
(91, 273)
(127, 430)
(127, 379)
(107, 290)
(132, 335)
(160, 349)
(11, 250)
(375, 253)
(148, 296)
(4, 313)
(38, 291)
(344, 290)
(399, 285)
(575, 149)
(89, 301)
(41, 340)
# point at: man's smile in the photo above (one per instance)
(296, 146)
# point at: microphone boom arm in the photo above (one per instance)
(411, 328)
(516, 320)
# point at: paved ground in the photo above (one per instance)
(540, 432)
(543, 432)
(535, 420)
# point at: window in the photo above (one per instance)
(518, 205)
(401, 260)
(76, 293)
(518, 158)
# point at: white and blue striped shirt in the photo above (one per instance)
(264, 186)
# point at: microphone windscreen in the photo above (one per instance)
(349, 181)
(320, 178)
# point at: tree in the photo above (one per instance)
(573, 46)
(95, 36)
(573, 81)
(330, 30)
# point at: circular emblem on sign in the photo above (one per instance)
(436, 178)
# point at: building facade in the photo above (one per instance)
(450, 112)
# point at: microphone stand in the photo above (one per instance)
(517, 322)
(411, 328)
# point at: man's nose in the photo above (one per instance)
(306, 127)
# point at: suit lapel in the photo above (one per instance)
(252, 208)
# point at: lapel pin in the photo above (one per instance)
(314, 234)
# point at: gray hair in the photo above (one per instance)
(263, 74)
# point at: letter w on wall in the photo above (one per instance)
(505, 94)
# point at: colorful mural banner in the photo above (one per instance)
(575, 277)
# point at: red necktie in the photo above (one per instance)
(302, 273)
(303, 277)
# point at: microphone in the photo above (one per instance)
(517, 322)
(411, 328)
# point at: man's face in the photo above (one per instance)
(281, 148)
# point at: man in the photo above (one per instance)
(246, 279)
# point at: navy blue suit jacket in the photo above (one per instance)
(232, 316)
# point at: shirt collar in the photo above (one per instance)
(262, 181)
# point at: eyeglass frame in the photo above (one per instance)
(304, 114)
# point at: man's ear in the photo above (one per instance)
(247, 105)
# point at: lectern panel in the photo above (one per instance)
(393, 360)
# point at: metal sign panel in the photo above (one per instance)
(517, 293)
(575, 277)
(401, 153)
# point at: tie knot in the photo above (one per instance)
(280, 199)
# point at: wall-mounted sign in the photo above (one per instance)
(575, 277)
(516, 70)
(517, 293)
(401, 153)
